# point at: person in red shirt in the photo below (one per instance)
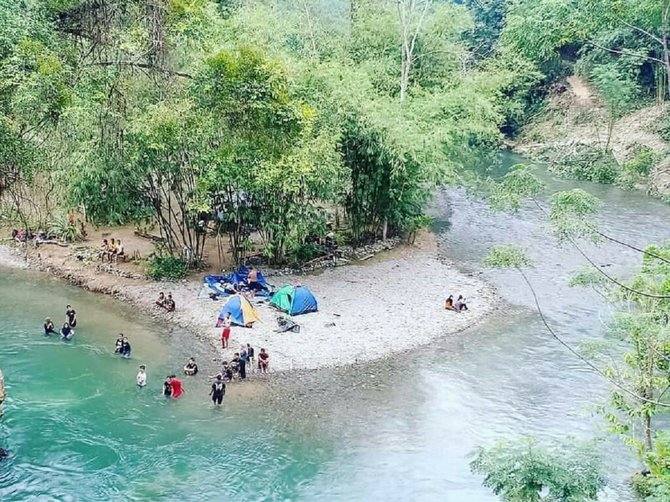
(225, 334)
(177, 389)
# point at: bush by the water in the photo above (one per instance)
(166, 267)
(642, 162)
(588, 163)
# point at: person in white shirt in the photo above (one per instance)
(142, 376)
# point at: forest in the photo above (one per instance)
(283, 117)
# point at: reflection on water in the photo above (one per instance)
(397, 429)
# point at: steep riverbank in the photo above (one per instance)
(575, 120)
(366, 312)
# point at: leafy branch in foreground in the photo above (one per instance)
(524, 471)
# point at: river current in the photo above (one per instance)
(79, 429)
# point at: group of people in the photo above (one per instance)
(246, 354)
(458, 306)
(111, 250)
(67, 330)
(248, 287)
(122, 346)
(166, 302)
(173, 388)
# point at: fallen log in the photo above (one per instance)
(151, 237)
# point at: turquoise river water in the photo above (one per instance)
(79, 429)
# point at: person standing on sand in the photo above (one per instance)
(263, 361)
(244, 356)
(250, 356)
(225, 334)
(218, 391)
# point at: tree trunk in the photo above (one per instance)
(646, 424)
(666, 49)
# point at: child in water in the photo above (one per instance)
(119, 344)
(142, 376)
(49, 328)
(66, 332)
(167, 388)
(125, 348)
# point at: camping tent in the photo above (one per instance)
(241, 312)
(294, 300)
(214, 283)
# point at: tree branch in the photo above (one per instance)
(143, 66)
(625, 53)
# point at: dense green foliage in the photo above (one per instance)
(527, 472)
(167, 267)
(283, 115)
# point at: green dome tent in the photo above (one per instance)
(294, 300)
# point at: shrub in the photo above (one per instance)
(166, 267)
(588, 163)
(64, 229)
(305, 253)
(642, 162)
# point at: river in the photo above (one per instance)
(79, 429)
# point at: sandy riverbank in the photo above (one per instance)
(366, 312)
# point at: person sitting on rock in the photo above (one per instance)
(169, 303)
(104, 250)
(460, 305)
(449, 303)
(161, 300)
(111, 250)
(119, 252)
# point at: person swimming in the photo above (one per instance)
(118, 345)
(66, 332)
(49, 328)
(71, 316)
(191, 368)
(177, 388)
(125, 348)
(141, 376)
(167, 387)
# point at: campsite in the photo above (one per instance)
(361, 323)
(424, 245)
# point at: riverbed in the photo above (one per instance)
(396, 429)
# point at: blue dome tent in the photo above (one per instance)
(241, 312)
